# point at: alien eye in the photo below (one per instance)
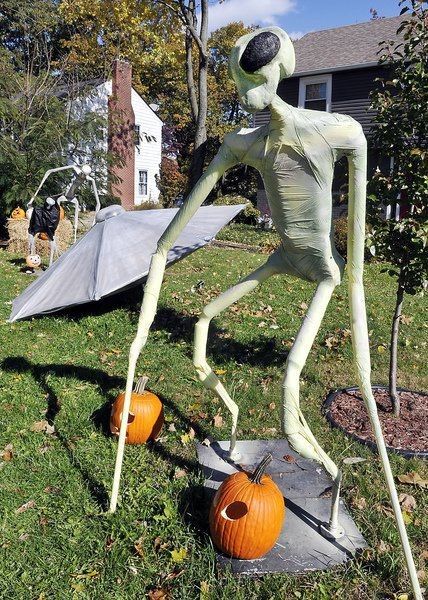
(260, 50)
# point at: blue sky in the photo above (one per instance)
(299, 16)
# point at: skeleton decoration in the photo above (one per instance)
(45, 219)
(295, 155)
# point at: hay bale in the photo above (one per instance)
(18, 237)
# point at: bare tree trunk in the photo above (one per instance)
(395, 398)
(190, 78)
(199, 151)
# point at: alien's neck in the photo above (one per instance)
(279, 111)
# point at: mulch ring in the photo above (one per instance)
(406, 435)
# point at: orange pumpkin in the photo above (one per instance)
(247, 514)
(145, 415)
(18, 213)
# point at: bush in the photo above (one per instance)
(341, 238)
(171, 182)
(341, 235)
(148, 206)
(249, 215)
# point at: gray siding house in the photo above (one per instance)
(336, 69)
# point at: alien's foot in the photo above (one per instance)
(331, 532)
(232, 455)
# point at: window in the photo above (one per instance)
(315, 93)
(142, 183)
(137, 135)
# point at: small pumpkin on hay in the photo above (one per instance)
(18, 214)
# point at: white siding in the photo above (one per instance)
(148, 154)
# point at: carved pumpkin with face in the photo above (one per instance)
(247, 514)
(33, 261)
(145, 415)
(18, 213)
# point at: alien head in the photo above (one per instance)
(258, 62)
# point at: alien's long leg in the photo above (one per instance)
(360, 338)
(206, 374)
(295, 427)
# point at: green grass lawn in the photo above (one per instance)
(56, 540)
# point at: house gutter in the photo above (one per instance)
(335, 69)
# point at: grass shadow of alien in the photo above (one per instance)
(100, 417)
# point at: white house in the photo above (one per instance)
(134, 133)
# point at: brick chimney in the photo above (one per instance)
(121, 144)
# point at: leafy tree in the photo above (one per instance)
(401, 132)
(36, 130)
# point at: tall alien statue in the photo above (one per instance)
(295, 155)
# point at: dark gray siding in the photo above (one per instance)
(350, 94)
(351, 91)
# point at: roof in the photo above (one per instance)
(352, 46)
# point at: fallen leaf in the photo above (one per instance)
(179, 473)
(157, 594)
(353, 460)
(185, 438)
(204, 587)
(272, 406)
(413, 478)
(7, 453)
(88, 575)
(23, 537)
(359, 502)
(139, 546)
(52, 489)
(402, 597)
(383, 547)
(26, 506)
(381, 349)
(270, 430)
(172, 427)
(43, 426)
(407, 517)
(407, 502)
(174, 574)
(422, 575)
(220, 371)
(179, 555)
(77, 587)
(191, 433)
(288, 458)
(218, 421)
(385, 510)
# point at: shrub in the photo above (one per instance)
(249, 215)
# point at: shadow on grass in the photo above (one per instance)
(18, 262)
(40, 374)
(100, 417)
(261, 351)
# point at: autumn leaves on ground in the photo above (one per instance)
(59, 375)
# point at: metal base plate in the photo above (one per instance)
(306, 488)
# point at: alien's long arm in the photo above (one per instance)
(46, 175)
(223, 161)
(360, 339)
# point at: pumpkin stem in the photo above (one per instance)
(256, 477)
(140, 385)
